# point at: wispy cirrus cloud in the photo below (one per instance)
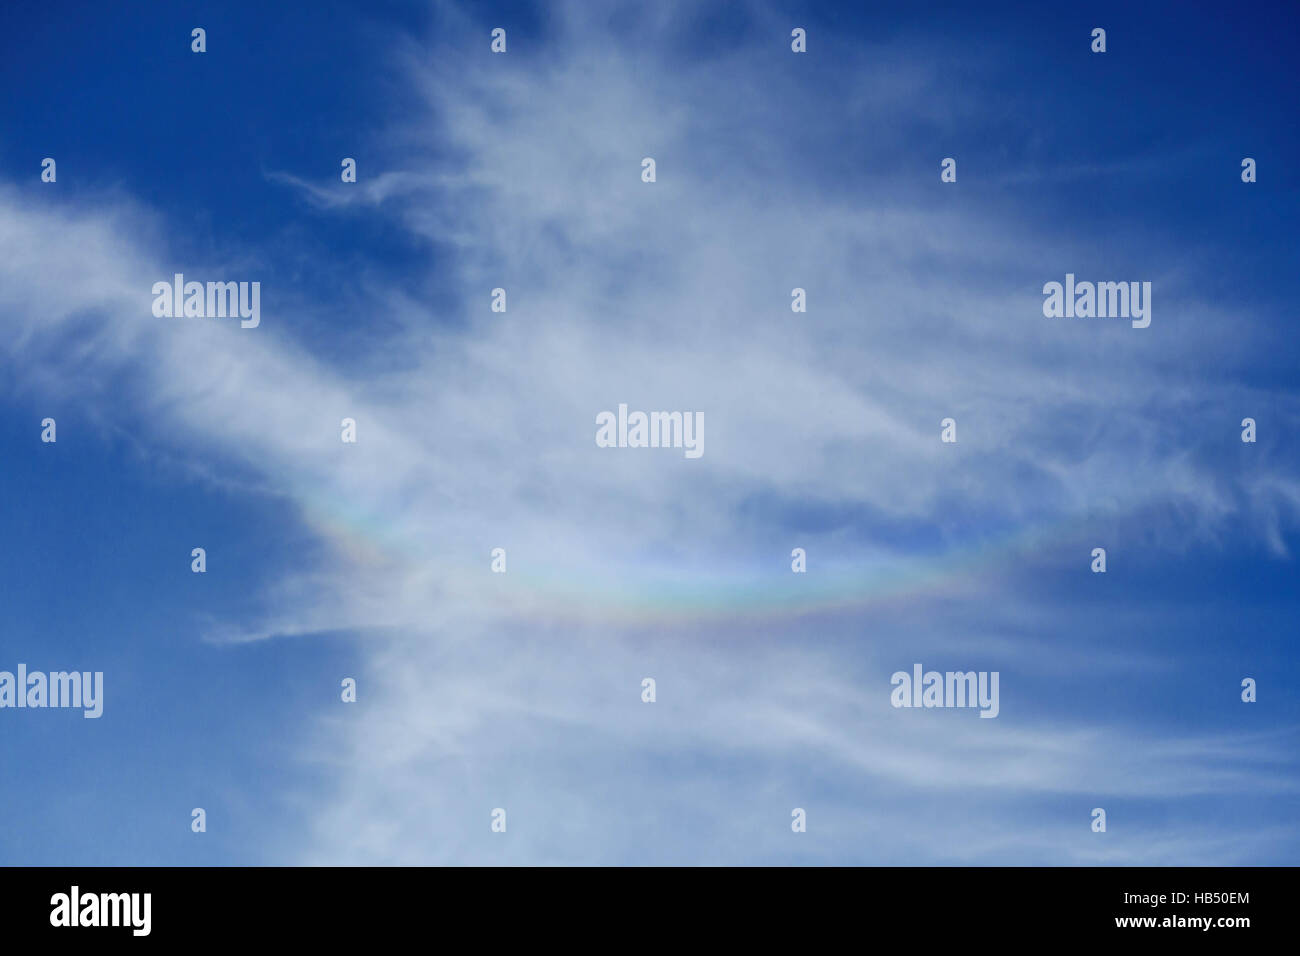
(521, 690)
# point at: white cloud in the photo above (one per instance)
(522, 690)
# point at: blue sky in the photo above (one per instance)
(522, 690)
